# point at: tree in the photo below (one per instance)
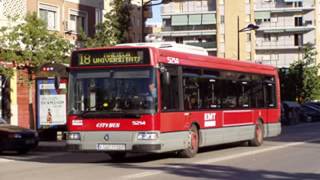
(29, 45)
(301, 82)
(114, 29)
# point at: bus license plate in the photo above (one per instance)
(111, 147)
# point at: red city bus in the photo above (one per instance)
(145, 99)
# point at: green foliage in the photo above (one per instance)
(301, 81)
(30, 44)
(114, 29)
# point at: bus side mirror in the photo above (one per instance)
(166, 78)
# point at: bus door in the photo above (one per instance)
(257, 99)
(172, 116)
(270, 100)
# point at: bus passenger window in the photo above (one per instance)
(191, 93)
(230, 93)
(257, 97)
(170, 93)
(244, 95)
(270, 95)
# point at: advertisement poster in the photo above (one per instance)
(51, 104)
(52, 109)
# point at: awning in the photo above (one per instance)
(209, 19)
(166, 17)
(195, 19)
(263, 15)
(179, 20)
(293, 0)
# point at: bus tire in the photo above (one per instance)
(193, 143)
(117, 155)
(258, 135)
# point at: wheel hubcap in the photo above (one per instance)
(259, 133)
(194, 141)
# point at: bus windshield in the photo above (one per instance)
(113, 91)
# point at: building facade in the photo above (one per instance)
(232, 18)
(69, 17)
(285, 27)
(191, 22)
(66, 17)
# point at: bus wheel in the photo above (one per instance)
(117, 155)
(258, 135)
(193, 143)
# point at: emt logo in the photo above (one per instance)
(209, 119)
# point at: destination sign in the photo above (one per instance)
(111, 57)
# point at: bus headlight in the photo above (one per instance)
(73, 136)
(147, 136)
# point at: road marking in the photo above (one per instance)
(5, 160)
(29, 157)
(215, 160)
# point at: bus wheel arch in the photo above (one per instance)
(193, 142)
(258, 133)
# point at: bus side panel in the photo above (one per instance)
(205, 119)
(273, 116)
(260, 114)
(237, 117)
(173, 121)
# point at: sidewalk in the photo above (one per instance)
(51, 146)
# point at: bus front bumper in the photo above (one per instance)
(113, 141)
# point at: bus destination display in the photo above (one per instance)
(113, 57)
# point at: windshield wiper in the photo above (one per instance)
(109, 114)
(86, 113)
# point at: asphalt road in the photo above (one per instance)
(293, 155)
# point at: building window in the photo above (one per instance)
(298, 39)
(298, 21)
(297, 4)
(222, 19)
(78, 21)
(49, 14)
(266, 20)
(179, 40)
(266, 37)
(248, 37)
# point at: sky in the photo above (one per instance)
(156, 19)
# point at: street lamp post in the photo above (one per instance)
(250, 27)
(143, 6)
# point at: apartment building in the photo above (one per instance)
(191, 22)
(285, 27)
(234, 41)
(69, 17)
(66, 17)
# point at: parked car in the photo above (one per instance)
(14, 138)
(310, 111)
(290, 112)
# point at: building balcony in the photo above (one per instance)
(206, 45)
(285, 29)
(171, 13)
(284, 9)
(277, 47)
(188, 33)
